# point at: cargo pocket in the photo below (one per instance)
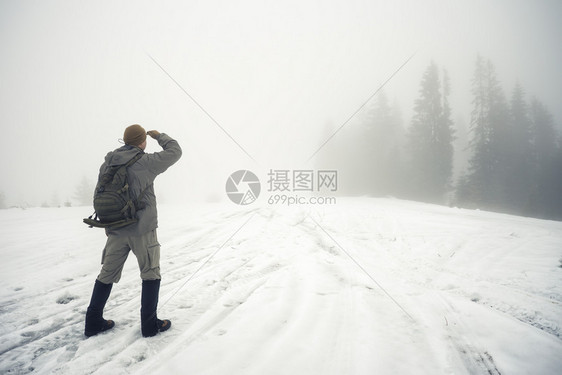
(103, 255)
(154, 251)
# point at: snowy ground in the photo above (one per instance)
(430, 290)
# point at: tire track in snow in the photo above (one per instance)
(423, 274)
(44, 333)
(357, 256)
(377, 257)
(514, 302)
(128, 348)
(60, 339)
(219, 289)
(475, 359)
(259, 254)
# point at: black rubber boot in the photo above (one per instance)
(150, 324)
(95, 323)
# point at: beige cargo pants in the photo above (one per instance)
(146, 248)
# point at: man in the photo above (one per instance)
(139, 237)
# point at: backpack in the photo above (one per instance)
(113, 205)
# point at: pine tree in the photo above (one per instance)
(84, 192)
(447, 135)
(382, 131)
(547, 163)
(460, 145)
(430, 138)
(489, 118)
(543, 133)
(515, 163)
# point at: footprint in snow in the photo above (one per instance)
(232, 303)
(475, 297)
(66, 298)
(32, 322)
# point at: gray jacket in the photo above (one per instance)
(141, 177)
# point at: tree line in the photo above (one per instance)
(82, 196)
(514, 150)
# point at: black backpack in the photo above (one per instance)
(113, 205)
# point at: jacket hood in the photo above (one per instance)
(122, 155)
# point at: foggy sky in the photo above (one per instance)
(272, 74)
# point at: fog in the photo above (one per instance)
(279, 78)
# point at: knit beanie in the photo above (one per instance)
(134, 135)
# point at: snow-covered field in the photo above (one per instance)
(366, 286)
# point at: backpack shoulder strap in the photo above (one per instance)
(110, 171)
(136, 202)
(134, 159)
